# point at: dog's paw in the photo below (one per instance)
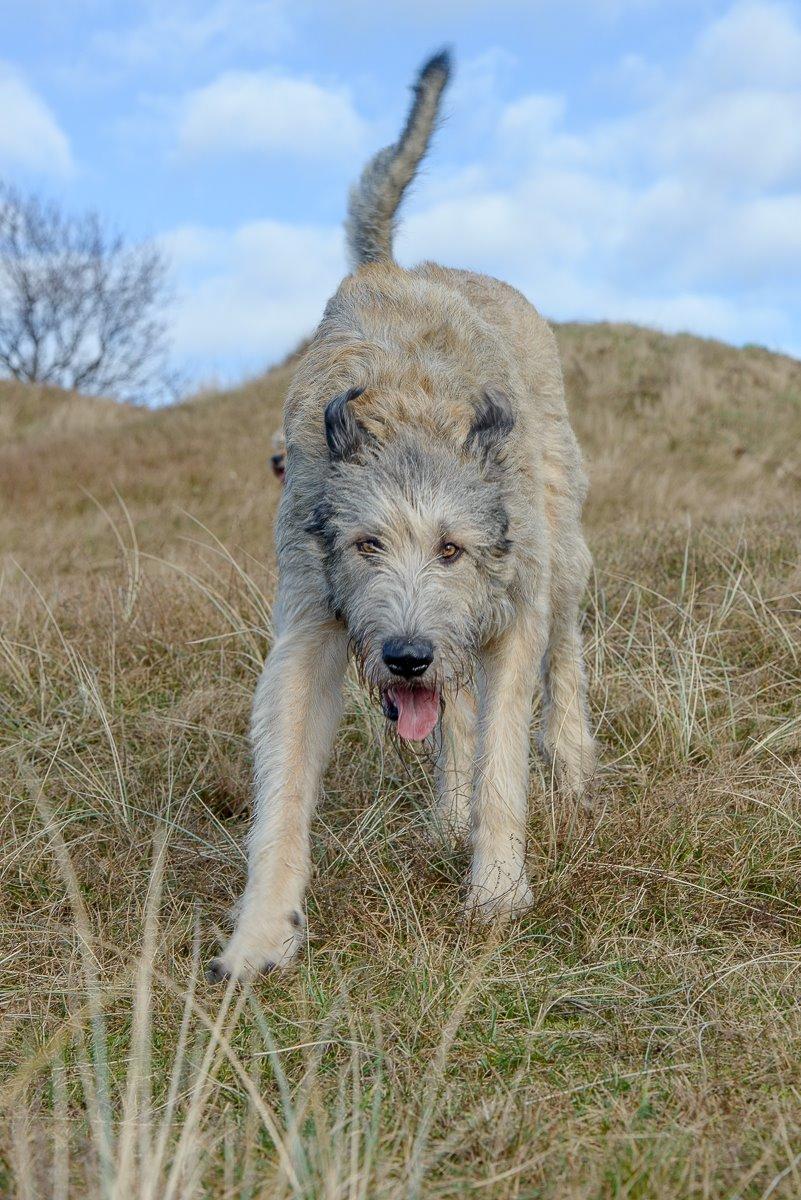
(497, 893)
(258, 950)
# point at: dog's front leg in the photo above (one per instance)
(498, 883)
(295, 715)
(455, 764)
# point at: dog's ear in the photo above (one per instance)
(343, 432)
(493, 421)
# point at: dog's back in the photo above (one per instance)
(406, 336)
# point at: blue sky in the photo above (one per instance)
(621, 159)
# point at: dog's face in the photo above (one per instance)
(416, 552)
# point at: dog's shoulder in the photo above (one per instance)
(423, 344)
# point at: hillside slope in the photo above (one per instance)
(673, 428)
(638, 1034)
(39, 411)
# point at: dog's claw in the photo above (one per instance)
(262, 952)
(216, 972)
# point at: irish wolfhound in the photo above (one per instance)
(430, 526)
(278, 456)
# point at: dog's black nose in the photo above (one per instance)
(408, 657)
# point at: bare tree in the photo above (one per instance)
(78, 306)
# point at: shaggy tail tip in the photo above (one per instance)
(375, 199)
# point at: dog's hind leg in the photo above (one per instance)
(498, 884)
(296, 711)
(567, 743)
(455, 763)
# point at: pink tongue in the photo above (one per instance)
(418, 712)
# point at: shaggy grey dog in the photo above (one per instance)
(429, 526)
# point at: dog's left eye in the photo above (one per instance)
(449, 552)
(369, 546)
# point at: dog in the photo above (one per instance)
(429, 527)
(278, 456)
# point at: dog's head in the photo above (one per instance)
(278, 456)
(414, 534)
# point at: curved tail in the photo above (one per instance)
(374, 200)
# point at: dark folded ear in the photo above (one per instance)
(493, 421)
(343, 432)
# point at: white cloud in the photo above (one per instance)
(253, 292)
(30, 136)
(173, 33)
(453, 9)
(685, 213)
(529, 122)
(727, 116)
(549, 216)
(743, 137)
(752, 44)
(264, 112)
(757, 242)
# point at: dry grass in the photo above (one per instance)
(638, 1035)
(28, 412)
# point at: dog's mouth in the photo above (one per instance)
(415, 710)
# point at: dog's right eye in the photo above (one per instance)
(368, 546)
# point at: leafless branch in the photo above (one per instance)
(78, 306)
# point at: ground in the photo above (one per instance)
(637, 1035)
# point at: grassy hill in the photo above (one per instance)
(637, 1035)
(28, 412)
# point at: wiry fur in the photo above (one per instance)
(428, 407)
(374, 201)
